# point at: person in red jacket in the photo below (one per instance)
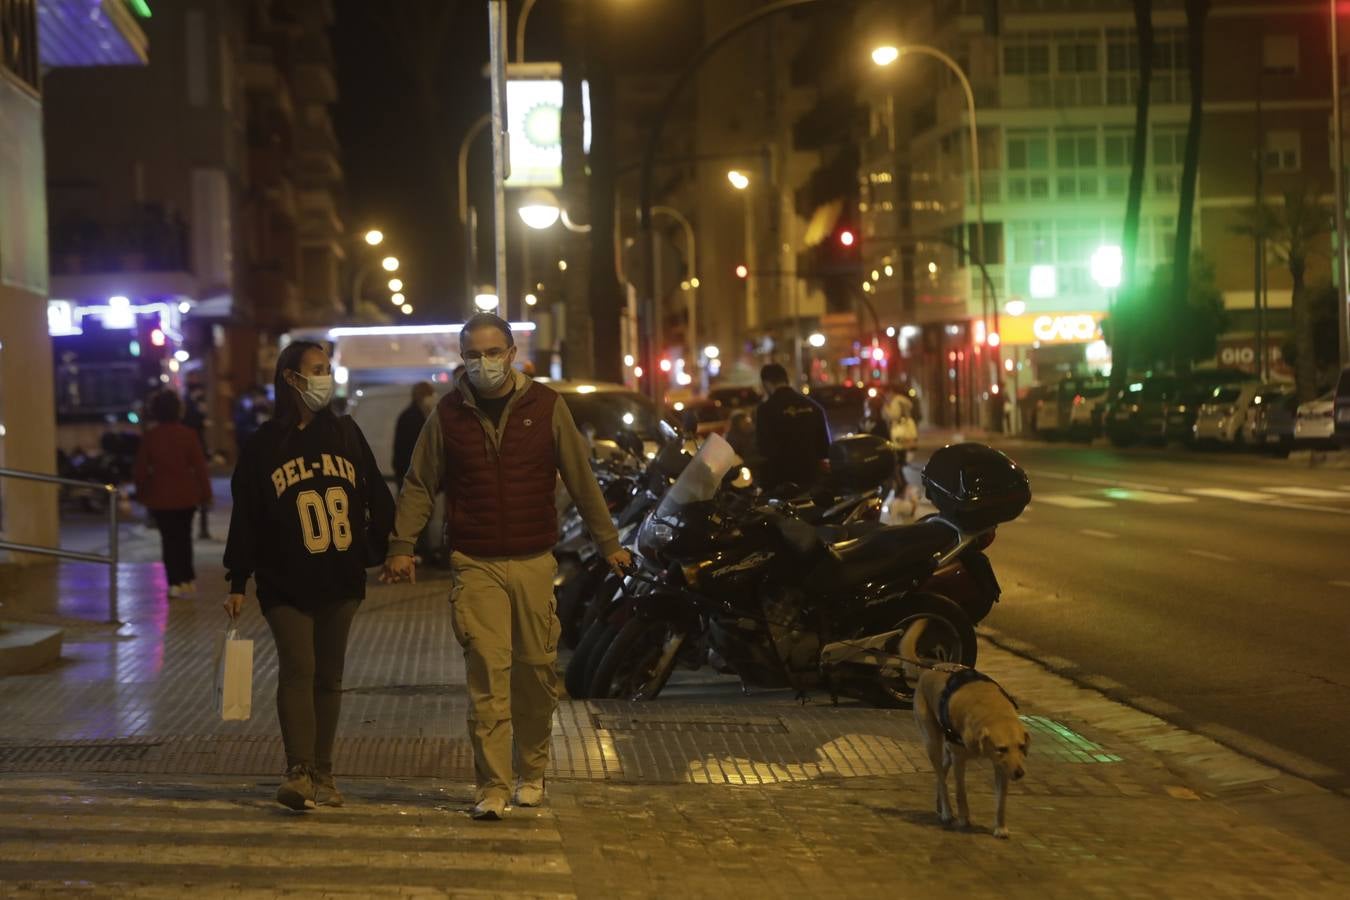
(172, 481)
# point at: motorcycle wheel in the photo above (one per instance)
(577, 677)
(948, 636)
(638, 663)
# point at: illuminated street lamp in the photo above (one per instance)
(397, 299)
(539, 209)
(711, 351)
(884, 56)
(486, 300)
(816, 340)
(531, 299)
(1105, 265)
(739, 180)
(389, 263)
(395, 284)
(374, 237)
(407, 309)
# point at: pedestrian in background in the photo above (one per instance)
(409, 426)
(496, 446)
(792, 433)
(303, 489)
(194, 417)
(741, 437)
(172, 481)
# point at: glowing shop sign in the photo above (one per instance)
(1053, 328)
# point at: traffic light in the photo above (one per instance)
(742, 272)
(847, 238)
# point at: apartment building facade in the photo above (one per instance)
(37, 38)
(1054, 86)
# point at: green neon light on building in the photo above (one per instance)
(140, 8)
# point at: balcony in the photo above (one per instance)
(319, 218)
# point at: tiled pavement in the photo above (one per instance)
(120, 781)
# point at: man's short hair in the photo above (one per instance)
(773, 373)
(486, 320)
(423, 389)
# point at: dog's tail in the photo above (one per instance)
(909, 651)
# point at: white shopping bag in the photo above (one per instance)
(234, 676)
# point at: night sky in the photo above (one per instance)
(400, 142)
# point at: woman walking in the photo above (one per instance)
(310, 511)
(172, 482)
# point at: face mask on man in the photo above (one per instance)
(318, 391)
(486, 374)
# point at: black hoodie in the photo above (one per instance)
(299, 521)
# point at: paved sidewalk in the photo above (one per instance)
(118, 780)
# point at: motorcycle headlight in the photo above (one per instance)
(661, 534)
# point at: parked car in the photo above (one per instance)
(1029, 403)
(1342, 408)
(1068, 408)
(1316, 425)
(845, 408)
(736, 396)
(1139, 412)
(1222, 417)
(702, 417)
(1270, 420)
(1196, 388)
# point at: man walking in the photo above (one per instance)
(791, 432)
(409, 427)
(497, 444)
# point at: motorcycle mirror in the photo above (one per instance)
(668, 433)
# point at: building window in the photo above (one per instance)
(1283, 151)
(1077, 58)
(1119, 147)
(1279, 54)
(19, 40)
(1075, 150)
(1026, 59)
(1169, 148)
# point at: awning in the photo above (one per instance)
(91, 33)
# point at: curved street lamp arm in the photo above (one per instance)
(478, 127)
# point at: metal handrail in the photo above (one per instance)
(110, 559)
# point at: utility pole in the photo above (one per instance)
(501, 144)
(1338, 162)
(1258, 239)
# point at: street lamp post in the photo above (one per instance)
(691, 245)
(885, 56)
(468, 217)
(388, 263)
(1338, 163)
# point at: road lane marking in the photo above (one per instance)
(1152, 497)
(1092, 532)
(1314, 493)
(1231, 494)
(1069, 501)
(1344, 584)
(1107, 482)
(1207, 554)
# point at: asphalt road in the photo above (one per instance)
(1213, 588)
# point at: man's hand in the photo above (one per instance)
(233, 604)
(398, 569)
(620, 561)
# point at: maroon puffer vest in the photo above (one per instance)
(500, 504)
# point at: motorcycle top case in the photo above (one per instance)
(976, 486)
(861, 461)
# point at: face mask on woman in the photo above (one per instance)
(318, 391)
(486, 374)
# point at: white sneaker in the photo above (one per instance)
(489, 809)
(529, 793)
(177, 590)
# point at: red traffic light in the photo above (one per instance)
(665, 365)
(157, 338)
(742, 271)
(847, 238)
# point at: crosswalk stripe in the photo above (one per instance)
(1069, 501)
(1231, 494)
(1208, 554)
(1315, 493)
(1155, 498)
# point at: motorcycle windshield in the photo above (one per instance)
(701, 477)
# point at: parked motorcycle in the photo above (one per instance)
(783, 604)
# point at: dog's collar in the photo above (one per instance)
(959, 679)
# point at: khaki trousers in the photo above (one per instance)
(504, 616)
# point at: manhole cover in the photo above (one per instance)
(702, 724)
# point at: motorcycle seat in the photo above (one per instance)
(884, 550)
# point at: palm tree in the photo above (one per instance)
(1291, 231)
(1197, 11)
(1121, 332)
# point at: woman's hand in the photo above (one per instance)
(233, 605)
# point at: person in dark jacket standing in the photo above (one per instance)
(303, 488)
(791, 432)
(409, 427)
(194, 417)
(497, 444)
(172, 482)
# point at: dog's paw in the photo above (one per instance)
(963, 824)
(1002, 834)
(946, 819)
